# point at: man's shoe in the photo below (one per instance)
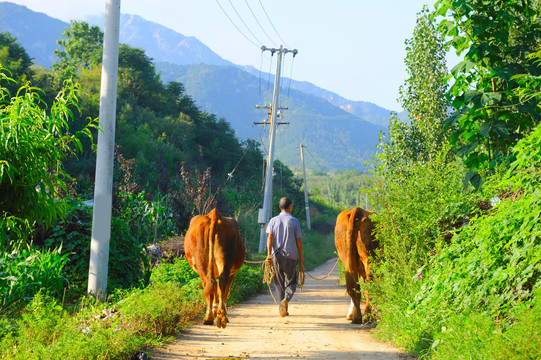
(283, 308)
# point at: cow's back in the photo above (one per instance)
(227, 246)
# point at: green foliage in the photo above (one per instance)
(179, 271)
(46, 331)
(81, 48)
(15, 58)
(317, 248)
(26, 272)
(476, 336)
(129, 263)
(118, 329)
(147, 220)
(416, 210)
(160, 310)
(423, 94)
(34, 143)
(494, 263)
(497, 40)
(341, 189)
(247, 281)
(476, 297)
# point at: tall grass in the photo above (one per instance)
(129, 321)
(26, 272)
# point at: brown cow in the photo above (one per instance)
(215, 250)
(353, 239)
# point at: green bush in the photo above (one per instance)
(477, 297)
(129, 263)
(247, 281)
(24, 273)
(473, 335)
(179, 271)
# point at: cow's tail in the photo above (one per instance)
(214, 217)
(351, 272)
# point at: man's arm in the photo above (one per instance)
(269, 247)
(299, 247)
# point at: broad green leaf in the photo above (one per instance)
(490, 97)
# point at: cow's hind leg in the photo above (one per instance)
(354, 293)
(209, 286)
(365, 275)
(223, 287)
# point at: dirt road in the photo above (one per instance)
(315, 329)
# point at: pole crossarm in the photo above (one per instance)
(281, 49)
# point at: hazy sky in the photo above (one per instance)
(352, 47)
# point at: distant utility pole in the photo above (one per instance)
(101, 217)
(306, 204)
(266, 212)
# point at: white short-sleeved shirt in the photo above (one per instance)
(285, 230)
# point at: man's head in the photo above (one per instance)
(285, 204)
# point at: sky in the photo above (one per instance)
(354, 48)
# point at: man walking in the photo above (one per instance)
(283, 243)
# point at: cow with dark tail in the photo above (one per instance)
(353, 239)
(215, 250)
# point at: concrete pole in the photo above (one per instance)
(306, 204)
(267, 199)
(101, 218)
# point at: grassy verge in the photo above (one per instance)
(117, 329)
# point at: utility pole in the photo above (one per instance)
(101, 217)
(306, 204)
(266, 212)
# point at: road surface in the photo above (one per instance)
(315, 329)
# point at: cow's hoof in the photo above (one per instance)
(349, 317)
(358, 320)
(208, 321)
(221, 322)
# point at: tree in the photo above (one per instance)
(14, 59)
(424, 97)
(496, 39)
(33, 145)
(423, 94)
(81, 48)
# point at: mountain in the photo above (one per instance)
(161, 43)
(36, 32)
(368, 111)
(333, 137)
(338, 132)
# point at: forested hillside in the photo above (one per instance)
(335, 139)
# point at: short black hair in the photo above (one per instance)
(284, 203)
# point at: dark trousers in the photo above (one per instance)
(285, 278)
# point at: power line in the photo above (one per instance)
(236, 27)
(258, 23)
(268, 18)
(312, 156)
(246, 26)
(290, 78)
